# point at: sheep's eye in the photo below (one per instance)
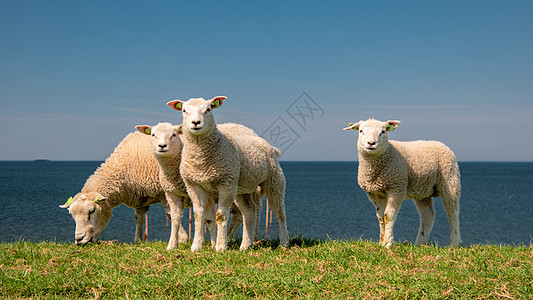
(183, 110)
(382, 132)
(173, 135)
(361, 131)
(91, 211)
(208, 110)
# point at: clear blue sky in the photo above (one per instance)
(77, 76)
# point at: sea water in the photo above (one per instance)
(322, 200)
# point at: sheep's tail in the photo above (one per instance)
(278, 153)
(451, 192)
(451, 178)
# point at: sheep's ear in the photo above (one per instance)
(353, 126)
(144, 129)
(99, 199)
(179, 129)
(68, 203)
(391, 125)
(176, 104)
(217, 101)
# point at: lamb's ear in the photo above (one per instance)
(353, 126)
(217, 101)
(68, 203)
(99, 198)
(179, 129)
(144, 129)
(391, 125)
(176, 104)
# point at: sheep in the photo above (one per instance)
(166, 147)
(130, 176)
(391, 171)
(229, 165)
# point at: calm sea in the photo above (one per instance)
(322, 200)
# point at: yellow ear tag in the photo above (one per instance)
(216, 103)
(351, 125)
(69, 202)
(390, 127)
(97, 199)
(178, 105)
(147, 131)
(180, 130)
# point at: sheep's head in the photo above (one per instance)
(373, 137)
(165, 140)
(197, 113)
(91, 215)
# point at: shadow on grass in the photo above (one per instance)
(295, 241)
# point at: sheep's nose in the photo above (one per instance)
(196, 123)
(371, 143)
(78, 240)
(162, 146)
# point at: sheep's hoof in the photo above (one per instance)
(196, 248)
(245, 247)
(389, 244)
(183, 238)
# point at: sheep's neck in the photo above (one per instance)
(204, 145)
(169, 167)
(104, 182)
(374, 162)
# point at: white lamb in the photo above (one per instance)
(167, 148)
(391, 171)
(229, 165)
(130, 176)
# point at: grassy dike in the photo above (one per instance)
(307, 269)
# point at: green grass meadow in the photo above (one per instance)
(307, 269)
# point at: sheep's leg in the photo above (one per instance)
(226, 198)
(246, 205)
(394, 202)
(198, 198)
(140, 212)
(236, 221)
(176, 206)
(183, 237)
(380, 203)
(427, 217)
(275, 191)
(452, 209)
(210, 219)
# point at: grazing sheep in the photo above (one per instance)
(229, 165)
(391, 171)
(167, 147)
(130, 176)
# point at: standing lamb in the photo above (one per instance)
(130, 176)
(391, 171)
(229, 165)
(167, 147)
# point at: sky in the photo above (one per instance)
(77, 76)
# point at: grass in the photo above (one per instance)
(308, 269)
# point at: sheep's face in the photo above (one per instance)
(91, 216)
(373, 137)
(197, 113)
(165, 139)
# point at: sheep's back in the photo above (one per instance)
(130, 172)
